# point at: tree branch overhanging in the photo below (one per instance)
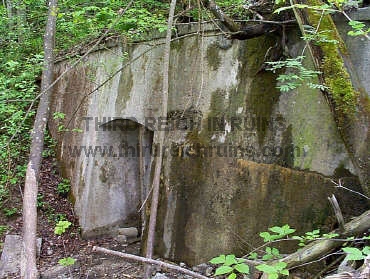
(240, 32)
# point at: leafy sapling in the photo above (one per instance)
(63, 187)
(274, 270)
(271, 253)
(295, 74)
(230, 266)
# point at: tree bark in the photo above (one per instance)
(239, 32)
(254, 31)
(220, 15)
(37, 144)
(9, 8)
(160, 141)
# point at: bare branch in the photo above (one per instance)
(338, 213)
(168, 266)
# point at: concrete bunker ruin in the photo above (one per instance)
(202, 198)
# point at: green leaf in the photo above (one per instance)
(356, 24)
(353, 254)
(267, 257)
(330, 235)
(366, 250)
(223, 270)
(280, 265)
(267, 237)
(278, 230)
(67, 261)
(242, 268)
(232, 276)
(240, 260)
(266, 268)
(230, 260)
(61, 227)
(275, 252)
(253, 256)
(218, 260)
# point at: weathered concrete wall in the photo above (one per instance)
(256, 157)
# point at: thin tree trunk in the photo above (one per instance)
(21, 20)
(37, 144)
(160, 137)
(9, 8)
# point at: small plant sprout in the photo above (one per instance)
(61, 227)
(63, 187)
(67, 261)
(8, 212)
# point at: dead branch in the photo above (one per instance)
(337, 211)
(168, 266)
(318, 248)
(254, 31)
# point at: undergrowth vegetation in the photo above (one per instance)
(21, 57)
(269, 260)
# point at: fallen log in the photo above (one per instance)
(318, 248)
(168, 266)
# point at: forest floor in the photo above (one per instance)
(53, 207)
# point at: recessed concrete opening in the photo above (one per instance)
(119, 174)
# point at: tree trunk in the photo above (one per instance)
(160, 140)
(9, 8)
(37, 144)
(21, 20)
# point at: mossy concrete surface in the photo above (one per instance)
(256, 157)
